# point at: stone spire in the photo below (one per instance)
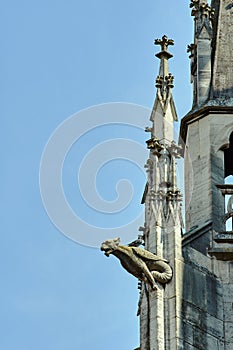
(222, 86)
(161, 166)
(200, 51)
(164, 112)
(211, 53)
(159, 326)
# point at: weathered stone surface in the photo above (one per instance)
(229, 332)
(221, 269)
(228, 293)
(214, 297)
(188, 332)
(195, 310)
(195, 258)
(194, 287)
(231, 271)
(228, 310)
(223, 55)
(144, 323)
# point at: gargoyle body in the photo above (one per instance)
(139, 262)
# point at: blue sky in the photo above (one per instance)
(58, 58)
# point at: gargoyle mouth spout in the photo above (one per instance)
(106, 251)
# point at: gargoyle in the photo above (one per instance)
(139, 262)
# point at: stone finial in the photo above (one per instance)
(201, 9)
(164, 55)
(190, 49)
(169, 80)
(159, 82)
(164, 81)
(164, 111)
(164, 86)
(164, 42)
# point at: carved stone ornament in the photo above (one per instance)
(141, 263)
(164, 42)
(201, 8)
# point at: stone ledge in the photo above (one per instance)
(195, 233)
(225, 254)
(215, 107)
(224, 237)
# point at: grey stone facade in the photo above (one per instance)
(195, 310)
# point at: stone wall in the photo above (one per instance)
(207, 302)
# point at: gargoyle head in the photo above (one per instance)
(110, 245)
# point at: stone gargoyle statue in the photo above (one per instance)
(144, 265)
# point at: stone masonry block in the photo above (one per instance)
(204, 341)
(228, 293)
(228, 311)
(188, 332)
(194, 290)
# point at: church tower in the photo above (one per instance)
(195, 309)
(207, 128)
(207, 132)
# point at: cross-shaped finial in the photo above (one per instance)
(164, 42)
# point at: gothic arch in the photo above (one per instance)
(222, 140)
(222, 149)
